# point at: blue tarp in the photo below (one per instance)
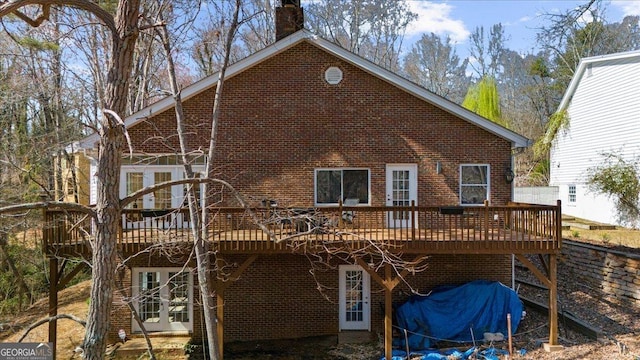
(471, 353)
(452, 313)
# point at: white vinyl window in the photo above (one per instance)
(474, 184)
(572, 194)
(335, 185)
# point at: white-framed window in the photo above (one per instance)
(572, 194)
(474, 184)
(334, 185)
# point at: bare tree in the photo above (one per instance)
(124, 30)
(487, 52)
(433, 63)
(200, 216)
(373, 29)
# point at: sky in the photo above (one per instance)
(520, 18)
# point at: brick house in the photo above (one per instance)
(308, 125)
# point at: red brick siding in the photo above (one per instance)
(280, 121)
(278, 298)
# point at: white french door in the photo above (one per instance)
(402, 189)
(163, 298)
(354, 298)
(135, 178)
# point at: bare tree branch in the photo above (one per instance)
(8, 7)
(49, 319)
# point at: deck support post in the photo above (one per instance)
(388, 329)
(221, 284)
(388, 283)
(53, 303)
(553, 305)
(550, 280)
(220, 319)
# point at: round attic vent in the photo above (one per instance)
(333, 75)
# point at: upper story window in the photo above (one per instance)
(572, 194)
(474, 184)
(333, 185)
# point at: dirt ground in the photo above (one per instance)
(620, 327)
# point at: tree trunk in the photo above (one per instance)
(108, 210)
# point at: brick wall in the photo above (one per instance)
(611, 273)
(280, 120)
(278, 298)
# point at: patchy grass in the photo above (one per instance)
(618, 237)
(72, 300)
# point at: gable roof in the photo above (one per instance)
(584, 64)
(168, 102)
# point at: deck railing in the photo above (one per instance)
(510, 228)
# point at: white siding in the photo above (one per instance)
(588, 205)
(604, 117)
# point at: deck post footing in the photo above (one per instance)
(552, 348)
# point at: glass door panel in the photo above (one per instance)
(135, 182)
(162, 197)
(402, 184)
(149, 299)
(178, 297)
(354, 306)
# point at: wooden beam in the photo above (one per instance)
(220, 320)
(386, 283)
(546, 281)
(224, 284)
(65, 280)
(53, 303)
(569, 320)
(553, 300)
(220, 287)
(388, 314)
(543, 262)
(374, 275)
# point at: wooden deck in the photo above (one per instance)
(513, 229)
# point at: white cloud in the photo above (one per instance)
(525, 19)
(436, 18)
(628, 7)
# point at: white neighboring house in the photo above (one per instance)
(603, 106)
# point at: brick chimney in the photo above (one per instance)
(289, 18)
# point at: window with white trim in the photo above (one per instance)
(334, 185)
(572, 194)
(474, 184)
